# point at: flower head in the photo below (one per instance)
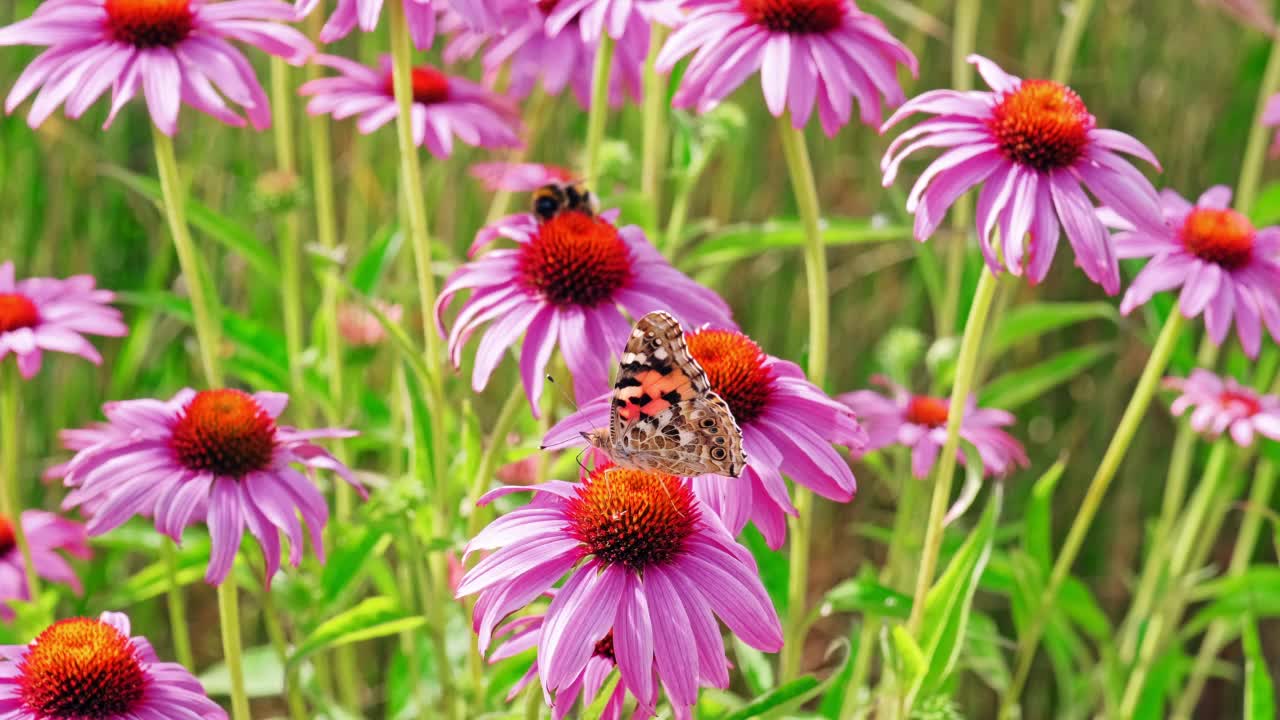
(1225, 267)
(564, 284)
(788, 428)
(443, 105)
(214, 455)
(919, 422)
(647, 564)
(823, 52)
(519, 177)
(420, 16)
(1220, 405)
(39, 314)
(173, 51)
(87, 669)
(1034, 148)
(46, 535)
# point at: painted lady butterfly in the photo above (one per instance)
(665, 417)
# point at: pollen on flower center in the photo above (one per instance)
(225, 432)
(575, 259)
(1243, 403)
(735, 366)
(430, 86)
(631, 517)
(927, 411)
(17, 312)
(1222, 237)
(149, 23)
(1042, 124)
(8, 541)
(798, 17)
(83, 669)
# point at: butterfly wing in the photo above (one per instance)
(665, 417)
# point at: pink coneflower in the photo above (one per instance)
(217, 456)
(564, 284)
(173, 51)
(359, 327)
(534, 50)
(1221, 404)
(1224, 266)
(823, 52)
(82, 669)
(919, 422)
(788, 427)
(47, 314)
(1034, 148)
(46, 535)
(647, 563)
(594, 18)
(443, 105)
(420, 16)
(519, 177)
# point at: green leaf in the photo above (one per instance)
(1259, 693)
(865, 595)
(349, 559)
(737, 242)
(784, 694)
(754, 666)
(263, 674)
(1077, 602)
(1037, 521)
(373, 618)
(1254, 592)
(367, 273)
(1030, 321)
(1014, 389)
(595, 710)
(236, 237)
(1266, 208)
(911, 662)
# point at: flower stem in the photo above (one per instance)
(654, 133)
(177, 602)
(815, 264)
(963, 38)
(10, 464)
(282, 131)
(1256, 146)
(1129, 422)
(275, 631)
(1069, 43)
(535, 119)
(598, 114)
(229, 617)
(961, 387)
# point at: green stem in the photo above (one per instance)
(282, 131)
(654, 134)
(229, 618)
(963, 38)
(1148, 383)
(533, 703)
(1256, 147)
(177, 601)
(961, 387)
(1069, 43)
(275, 631)
(535, 120)
(815, 263)
(10, 465)
(598, 114)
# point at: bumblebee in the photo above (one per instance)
(555, 198)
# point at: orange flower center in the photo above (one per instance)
(576, 259)
(7, 539)
(149, 23)
(631, 517)
(1042, 124)
(17, 312)
(1222, 237)
(927, 411)
(225, 432)
(1244, 403)
(430, 86)
(798, 17)
(81, 669)
(735, 366)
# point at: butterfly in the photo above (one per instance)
(664, 416)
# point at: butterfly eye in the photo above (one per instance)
(708, 422)
(718, 453)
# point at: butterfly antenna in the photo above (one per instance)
(572, 403)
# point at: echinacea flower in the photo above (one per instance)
(563, 285)
(1221, 405)
(788, 428)
(595, 18)
(47, 314)
(645, 560)
(420, 16)
(216, 456)
(1034, 148)
(47, 534)
(359, 327)
(919, 422)
(172, 51)
(85, 668)
(519, 177)
(823, 52)
(1226, 268)
(443, 105)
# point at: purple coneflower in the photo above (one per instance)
(1034, 148)
(788, 427)
(46, 535)
(47, 314)
(519, 177)
(420, 16)
(443, 105)
(826, 52)
(564, 284)
(919, 422)
(1221, 404)
(214, 455)
(646, 561)
(83, 668)
(173, 51)
(1224, 266)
